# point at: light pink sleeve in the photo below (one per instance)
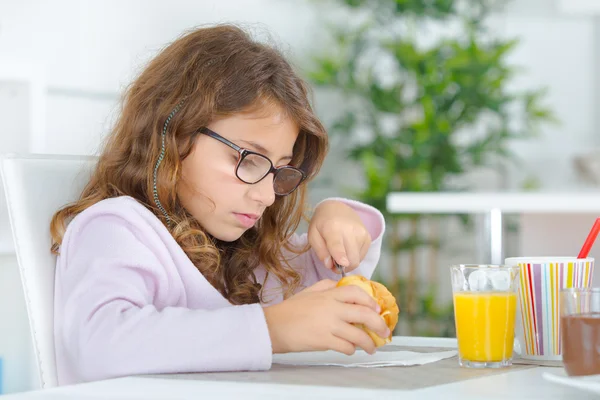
(109, 286)
(313, 269)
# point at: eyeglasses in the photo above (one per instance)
(253, 167)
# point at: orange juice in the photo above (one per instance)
(485, 325)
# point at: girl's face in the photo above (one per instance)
(210, 191)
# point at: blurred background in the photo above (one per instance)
(431, 96)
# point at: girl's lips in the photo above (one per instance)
(247, 220)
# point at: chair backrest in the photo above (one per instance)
(36, 186)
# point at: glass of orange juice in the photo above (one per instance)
(485, 305)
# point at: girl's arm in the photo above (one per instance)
(313, 269)
(121, 310)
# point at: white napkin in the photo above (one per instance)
(362, 358)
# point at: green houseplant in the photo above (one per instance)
(413, 115)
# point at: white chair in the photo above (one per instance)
(36, 186)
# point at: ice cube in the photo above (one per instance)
(478, 280)
(458, 280)
(500, 280)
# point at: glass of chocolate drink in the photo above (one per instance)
(580, 331)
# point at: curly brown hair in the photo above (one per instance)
(219, 71)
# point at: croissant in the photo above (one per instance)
(387, 302)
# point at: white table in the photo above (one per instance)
(516, 384)
(492, 206)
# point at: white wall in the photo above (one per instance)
(558, 51)
(83, 52)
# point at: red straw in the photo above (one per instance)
(589, 242)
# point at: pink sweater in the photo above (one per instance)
(129, 301)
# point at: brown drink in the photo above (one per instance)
(581, 343)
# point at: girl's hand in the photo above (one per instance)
(336, 231)
(321, 317)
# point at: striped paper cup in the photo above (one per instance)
(538, 314)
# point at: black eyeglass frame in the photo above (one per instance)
(243, 153)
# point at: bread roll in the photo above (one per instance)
(387, 302)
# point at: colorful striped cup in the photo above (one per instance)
(538, 314)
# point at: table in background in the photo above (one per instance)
(492, 206)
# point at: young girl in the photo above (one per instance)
(180, 255)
